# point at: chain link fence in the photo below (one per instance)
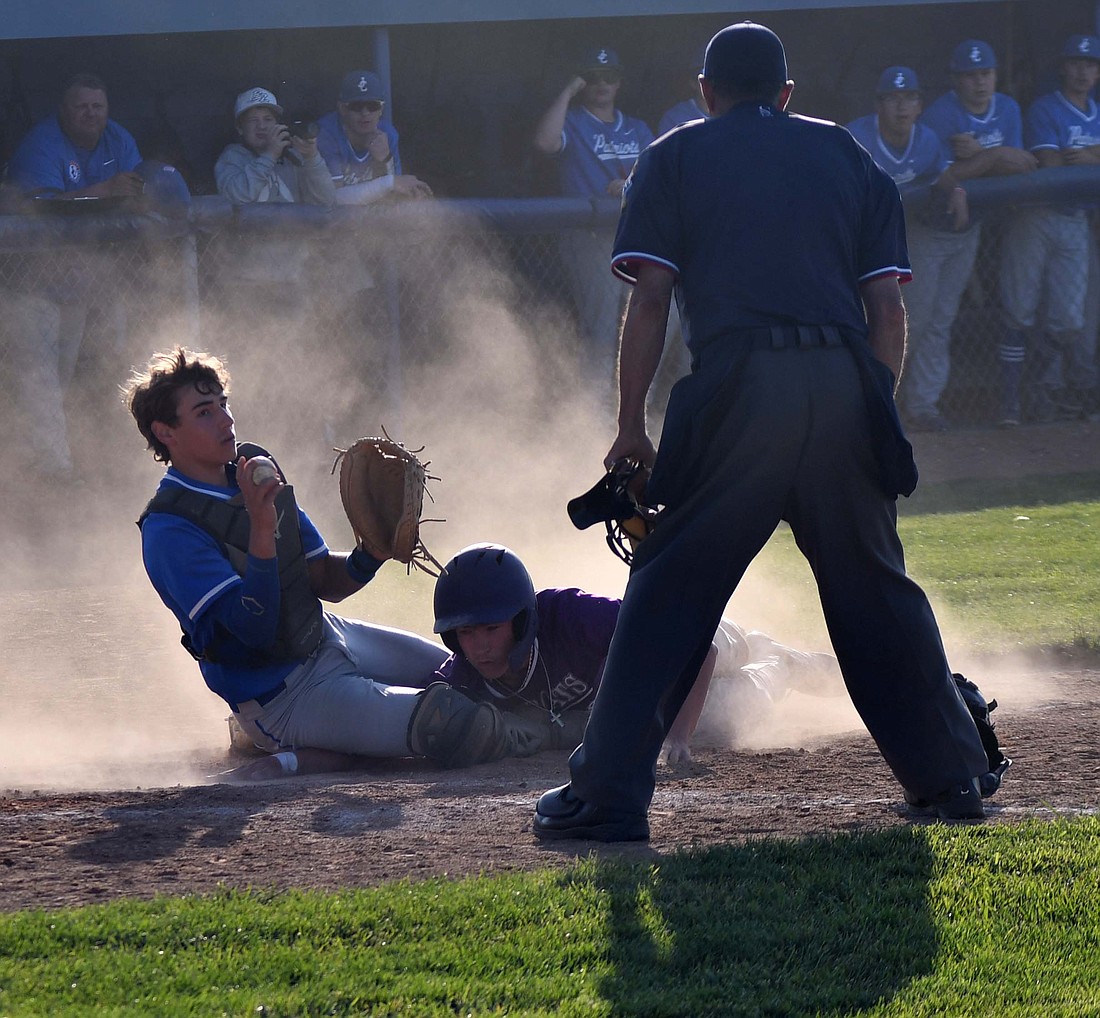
(337, 310)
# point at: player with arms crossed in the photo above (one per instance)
(244, 571)
(784, 243)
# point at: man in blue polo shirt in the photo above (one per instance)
(596, 146)
(78, 151)
(784, 244)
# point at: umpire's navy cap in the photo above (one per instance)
(359, 86)
(746, 53)
(897, 79)
(1082, 46)
(599, 58)
(972, 55)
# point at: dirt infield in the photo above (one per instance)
(180, 833)
(389, 823)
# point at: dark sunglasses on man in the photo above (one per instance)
(367, 105)
(602, 77)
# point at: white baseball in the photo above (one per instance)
(263, 469)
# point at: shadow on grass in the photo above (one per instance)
(824, 926)
(973, 495)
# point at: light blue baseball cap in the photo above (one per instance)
(897, 79)
(972, 55)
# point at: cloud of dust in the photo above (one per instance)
(98, 692)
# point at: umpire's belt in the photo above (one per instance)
(785, 337)
(263, 699)
(724, 348)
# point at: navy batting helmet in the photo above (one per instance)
(482, 584)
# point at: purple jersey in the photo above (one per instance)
(574, 633)
(1001, 124)
(921, 161)
(47, 161)
(345, 164)
(594, 153)
(1053, 122)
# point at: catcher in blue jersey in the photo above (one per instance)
(244, 571)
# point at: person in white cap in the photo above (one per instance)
(270, 164)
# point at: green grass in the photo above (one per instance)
(916, 921)
(1014, 574)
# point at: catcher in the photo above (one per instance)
(244, 571)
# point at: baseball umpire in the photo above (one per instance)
(785, 245)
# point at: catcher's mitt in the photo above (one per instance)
(382, 487)
(615, 501)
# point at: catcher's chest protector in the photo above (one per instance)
(300, 631)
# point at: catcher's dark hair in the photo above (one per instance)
(150, 394)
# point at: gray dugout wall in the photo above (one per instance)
(466, 95)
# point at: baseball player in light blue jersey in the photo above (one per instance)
(917, 159)
(596, 146)
(361, 147)
(1046, 256)
(691, 106)
(983, 132)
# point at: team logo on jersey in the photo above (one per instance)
(764, 111)
(73, 171)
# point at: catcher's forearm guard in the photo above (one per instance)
(615, 501)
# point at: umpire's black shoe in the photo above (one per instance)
(560, 815)
(959, 802)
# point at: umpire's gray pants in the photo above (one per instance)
(792, 443)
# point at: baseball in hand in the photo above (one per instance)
(263, 469)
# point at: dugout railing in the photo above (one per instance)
(366, 296)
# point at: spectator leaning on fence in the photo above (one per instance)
(915, 158)
(77, 152)
(269, 164)
(983, 133)
(597, 146)
(1045, 262)
(361, 148)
